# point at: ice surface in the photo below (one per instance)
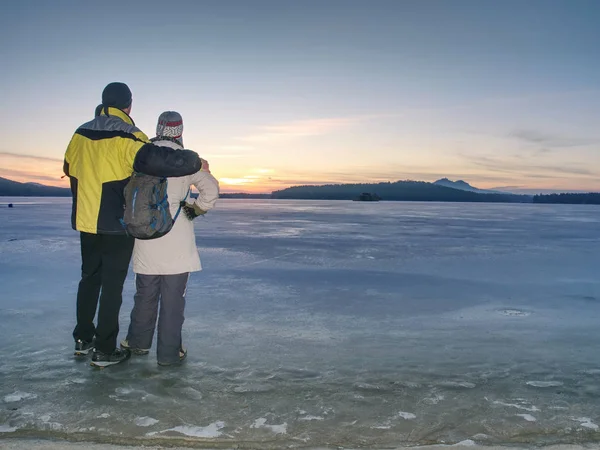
(316, 323)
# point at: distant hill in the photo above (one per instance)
(443, 190)
(399, 190)
(9, 188)
(590, 198)
(464, 186)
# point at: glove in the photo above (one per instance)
(205, 166)
(191, 211)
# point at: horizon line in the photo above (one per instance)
(516, 190)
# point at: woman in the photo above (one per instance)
(162, 266)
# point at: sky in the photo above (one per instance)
(500, 93)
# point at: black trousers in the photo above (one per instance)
(105, 262)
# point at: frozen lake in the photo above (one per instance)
(324, 324)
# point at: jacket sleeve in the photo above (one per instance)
(166, 162)
(208, 188)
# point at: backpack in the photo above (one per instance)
(147, 213)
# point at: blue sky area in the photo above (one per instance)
(277, 93)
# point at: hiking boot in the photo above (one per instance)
(135, 351)
(100, 359)
(182, 356)
(82, 348)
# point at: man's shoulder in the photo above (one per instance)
(110, 126)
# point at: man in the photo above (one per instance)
(99, 161)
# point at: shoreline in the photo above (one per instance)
(21, 443)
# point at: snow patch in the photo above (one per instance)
(481, 436)
(18, 396)
(145, 421)
(586, 422)
(245, 388)
(55, 426)
(528, 417)
(209, 431)
(103, 416)
(465, 443)
(514, 313)
(367, 387)
(7, 429)
(544, 384)
(434, 400)
(277, 429)
(123, 391)
(192, 393)
(406, 415)
(512, 405)
(309, 418)
(458, 384)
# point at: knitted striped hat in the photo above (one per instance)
(170, 124)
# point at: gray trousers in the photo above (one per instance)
(168, 291)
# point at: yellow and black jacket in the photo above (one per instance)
(101, 157)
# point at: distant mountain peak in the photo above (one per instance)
(459, 184)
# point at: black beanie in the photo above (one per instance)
(116, 95)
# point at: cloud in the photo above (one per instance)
(549, 141)
(38, 158)
(236, 181)
(534, 191)
(507, 188)
(303, 128)
(543, 96)
(26, 168)
(523, 168)
(26, 177)
(208, 156)
(236, 147)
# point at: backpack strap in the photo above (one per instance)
(179, 209)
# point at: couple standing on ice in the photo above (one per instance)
(99, 161)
